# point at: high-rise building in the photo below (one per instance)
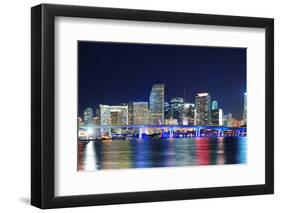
(188, 113)
(140, 113)
(156, 104)
(88, 116)
(177, 109)
(217, 117)
(245, 110)
(167, 111)
(215, 105)
(203, 109)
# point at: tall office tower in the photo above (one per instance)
(156, 104)
(245, 110)
(214, 105)
(217, 117)
(203, 109)
(140, 113)
(177, 104)
(188, 113)
(88, 116)
(167, 111)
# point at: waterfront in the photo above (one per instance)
(161, 152)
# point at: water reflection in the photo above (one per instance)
(145, 153)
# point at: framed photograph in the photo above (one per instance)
(139, 106)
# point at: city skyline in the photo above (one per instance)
(138, 84)
(172, 103)
(206, 111)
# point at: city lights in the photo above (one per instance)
(172, 118)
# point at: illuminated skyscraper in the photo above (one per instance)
(88, 116)
(140, 113)
(203, 109)
(217, 117)
(245, 110)
(188, 113)
(177, 109)
(167, 110)
(156, 104)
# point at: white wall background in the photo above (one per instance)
(15, 105)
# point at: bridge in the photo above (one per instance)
(170, 131)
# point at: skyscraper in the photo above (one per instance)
(217, 117)
(203, 109)
(188, 113)
(245, 110)
(177, 109)
(156, 104)
(140, 113)
(167, 111)
(88, 116)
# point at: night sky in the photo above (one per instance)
(114, 73)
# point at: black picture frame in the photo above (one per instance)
(43, 102)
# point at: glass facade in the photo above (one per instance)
(217, 117)
(177, 104)
(167, 111)
(188, 113)
(156, 104)
(203, 109)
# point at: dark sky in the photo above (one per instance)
(113, 73)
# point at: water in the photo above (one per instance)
(169, 152)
